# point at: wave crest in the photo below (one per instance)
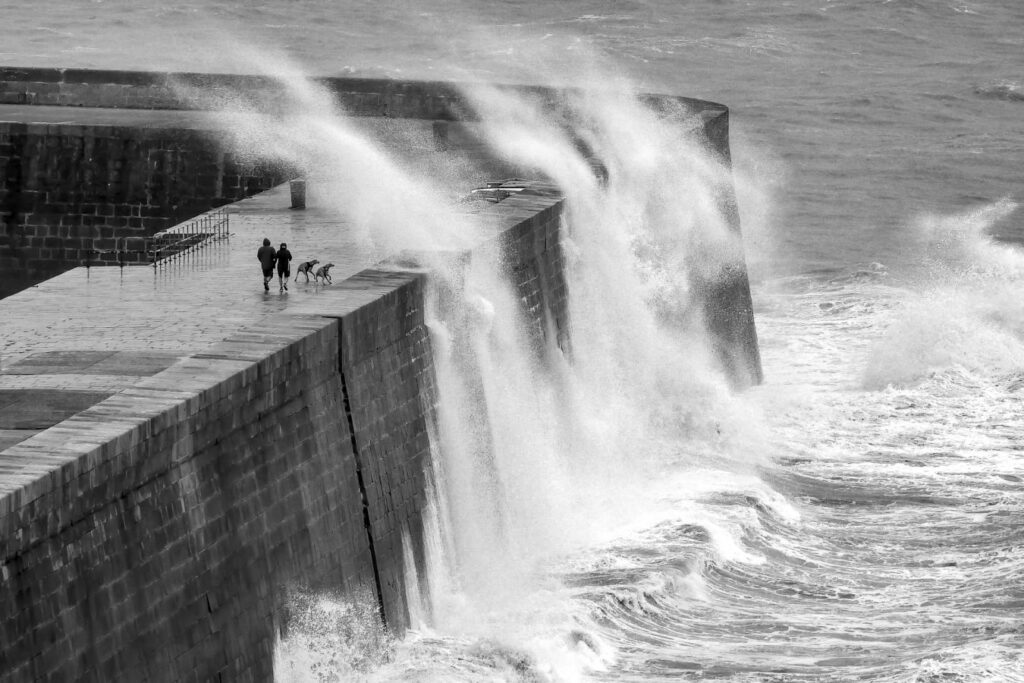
(968, 314)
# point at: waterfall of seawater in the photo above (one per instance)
(549, 453)
(542, 452)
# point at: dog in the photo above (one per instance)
(305, 269)
(324, 272)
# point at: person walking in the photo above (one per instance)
(267, 256)
(284, 269)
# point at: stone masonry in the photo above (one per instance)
(153, 522)
(69, 191)
(155, 534)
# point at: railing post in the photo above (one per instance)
(186, 240)
(298, 193)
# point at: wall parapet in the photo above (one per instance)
(440, 100)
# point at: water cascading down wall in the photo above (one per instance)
(158, 533)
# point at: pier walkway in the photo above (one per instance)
(76, 339)
(73, 340)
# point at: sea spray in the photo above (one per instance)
(305, 130)
(538, 449)
(570, 444)
(964, 312)
(498, 465)
(638, 246)
(329, 637)
(360, 181)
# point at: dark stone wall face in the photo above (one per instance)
(727, 305)
(165, 554)
(531, 253)
(67, 191)
(388, 372)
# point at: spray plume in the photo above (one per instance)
(538, 451)
(965, 314)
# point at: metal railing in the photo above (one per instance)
(183, 240)
(120, 255)
(165, 246)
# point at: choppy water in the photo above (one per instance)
(858, 517)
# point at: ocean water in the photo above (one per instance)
(857, 517)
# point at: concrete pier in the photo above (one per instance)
(101, 329)
(180, 448)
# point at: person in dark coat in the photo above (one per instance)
(267, 256)
(284, 269)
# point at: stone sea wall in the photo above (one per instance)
(430, 100)
(170, 521)
(158, 534)
(387, 370)
(34, 248)
(156, 548)
(531, 252)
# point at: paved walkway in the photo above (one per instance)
(70, 342)
(75, 339)
(185, 305)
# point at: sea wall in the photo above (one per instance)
(531, 252)
(430, 100)
(69, 193)
(157, 545)
(31, 249)
(388, 378)
(157, 535)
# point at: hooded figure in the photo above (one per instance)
(267, 256)
(284, 269)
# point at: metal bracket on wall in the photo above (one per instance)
(499, 190)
